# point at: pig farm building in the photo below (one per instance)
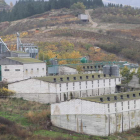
(101, 116)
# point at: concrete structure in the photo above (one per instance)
(135, 82)
(83, 17)
(102, 115)
(16, 69)
(68, 86)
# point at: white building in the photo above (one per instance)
(83, 17)
(102, 115)
(67, 86)
(16, 68)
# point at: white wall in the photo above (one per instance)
(67, 70)
(12, 75)
(30, 86)
(34, 70)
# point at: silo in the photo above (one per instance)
(106, 69)
(114, 70)
(83, 60)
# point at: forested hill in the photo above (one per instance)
(26, 8)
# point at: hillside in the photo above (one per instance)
(3, 5)
(133, 3)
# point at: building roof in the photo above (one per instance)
(117, 97)
(25, 60)
(19, 52)
(73, 78)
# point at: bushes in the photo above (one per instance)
(4, 92)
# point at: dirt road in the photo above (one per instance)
(94, 24)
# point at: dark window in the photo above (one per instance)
(92, 76)
(26, 70)
(98, 66)
(115, 97)
(54, 79)
(104, 75)
(121, 96)
(80, 77)
(42, 68)
(31, 69)
(108, 98)
(61, 79)
(37, 68)
(110, 75)
(83, 67)
(134, 95)
(91, 67)
(68, 78)
(74, 78)
(86, 77)
(127, 95)
(98, 76)
(94, 66)
(139, 94)
(87, 67)
(17, 69)
(101, 99)
(7, 70)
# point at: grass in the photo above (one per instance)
(118, 96)
(20, 112)
(78, 77)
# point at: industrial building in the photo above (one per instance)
(101, 116)
(19, 68)
(67, 86)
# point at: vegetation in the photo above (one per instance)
(125, 72)
(4, 92)
(26, 8)
(117, 14)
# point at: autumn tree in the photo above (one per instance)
(138, 74)
(79, 68)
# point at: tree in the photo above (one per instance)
(79, 69)
(78, 6)
(138, 74)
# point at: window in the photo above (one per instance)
(73, 84)
(26, 69)
(104, 75)
(108, 98)
(7, 70)
(54, 79)
(86, 77)
(139, 94)
(121, 96)
(37, 68)
(80, 77)
(127, 95)
(42, 68)
(83, 67)
(31, 69)
(74, 78)
(87, 67)
(134, 95)
(68, 78)
(92, 76)
(98, 76)
(115, 97)
(101, 99)
(17, 69)
(61, 79)
(94, 66)
(98, 66)
(91, 67)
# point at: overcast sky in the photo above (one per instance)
(135, 3)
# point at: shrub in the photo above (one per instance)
(4, 92)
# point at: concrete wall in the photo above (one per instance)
(38, 97)
(134, 82)
(34, 70)
(95, 118)
(30, 86)
(67, 70)
(12, 73)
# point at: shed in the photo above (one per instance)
(83, 17)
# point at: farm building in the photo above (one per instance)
(83, 17)
(102, 115)
(67, 86)
(18, 68)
